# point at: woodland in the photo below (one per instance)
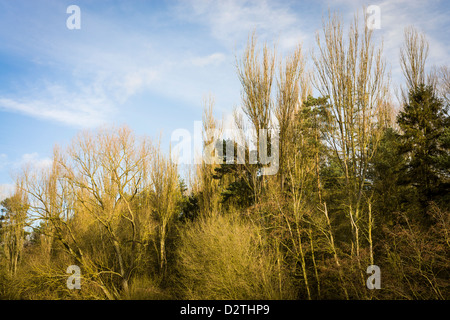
(363, 179)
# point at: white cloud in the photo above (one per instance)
(34, 161)
(111, 60)
(424, 16)
(231, 21)
(227, 25)
(214, 58)
(14, 167)
(83, 113)
(103, 68)
(87, 74)
(6, 190)
(84, 101)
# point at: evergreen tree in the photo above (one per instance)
(425, 143)
(385, 175)
(240, 186)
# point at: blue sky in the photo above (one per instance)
(149, 64)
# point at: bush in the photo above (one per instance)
(223, 257)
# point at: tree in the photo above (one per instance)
(106, 200)
(352, 73)
(238, 181)
(257, 75)
(206, 187)
(413, 56)
(106, 173)
(384, 174)
(424, 124)
(14, 221)
(165, 198)
(292, 86)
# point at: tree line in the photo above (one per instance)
(359, 183)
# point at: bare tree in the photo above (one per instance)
(257, 76)
(353, 75)
(94, 186)
(439, 77)
(165, 195)
(413, 56)
(212, 131)
(444, 83)
(292, 78)
(13, 225)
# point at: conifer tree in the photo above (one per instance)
(424, 125)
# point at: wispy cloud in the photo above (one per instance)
(214, 58)
(30, 160)
(34, 160)
(27, 159)
(85, 77)
(231, 21)
(78, 111)
(430, 17)
(425, 16)
(89, 75)
(6, 190)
